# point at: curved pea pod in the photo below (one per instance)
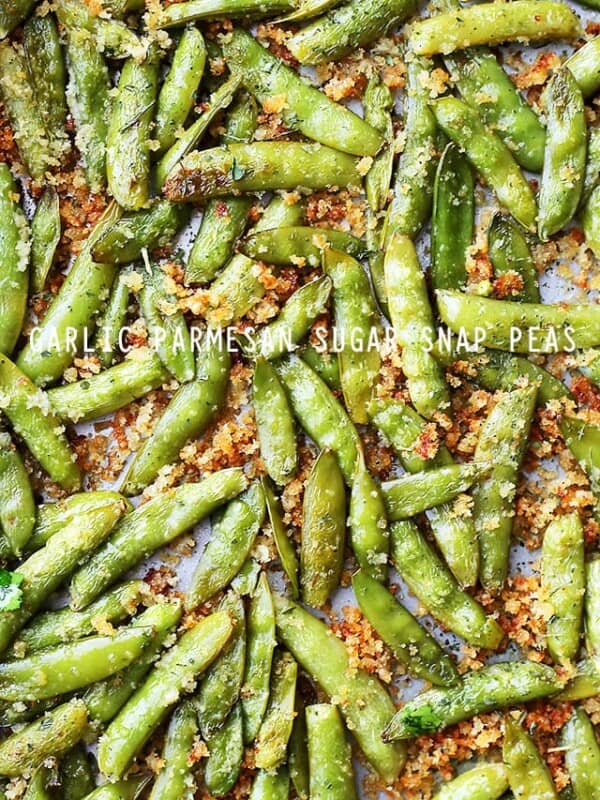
(378, 103)
(484, 85)
(509, 253)
(45, 235)
(585, 67)
(17, 504)
(357, 321)
(298, 753)
(12, 13)
(367, 707)
(108, 341)
(232, 537)
(238, 288)
(489, 24)
(127, 148)
(415, 173)
(489, 155)
(118, 40)
(274, 422)
(220, 687)
(177, 94)
(300, 245)
(527, 772)
(151, 526)
(565, 155)
(307, 109)
(433, 584)
(330, 755)
(169, 333)
(285, 548)
(257, 167)
(519, 327)
(502, 442)
(585, 682)
(325, 365)
(486, 782)
(55, 733)
(105, 699)
(59, 337)
(583, 440)
(38, 787)
(452, 219)
(412, 321)
(276, 727)
(369, 536)
(223, 222)
(14, 262)
(175, 780)
(410, 643)
(281, 211)
(191, 410)
(495, 686)
(259, 657)
(323, 531)
(242, 119)
(563, 584)
(271, 785)
(319, 413)
(226, 753)
(192, 10)
(125, 240)
(169, 679)
(77, 777)
(89, 103)
(414, 493)
(130, 789)
(582, 755)
(110, 389)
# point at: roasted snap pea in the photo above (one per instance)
(235, 291)
(17, 504)
(112, 35)
(223, 222)
(45, 236)
(12, 13)
(583, 440)
(271, 785)
(592, 606)
(582, 755)
(130, 789)
(14, 262)
(325, 364)
(276, 727)
(285, 548)
(509, 253)
(191, 10)
(369, 536)
(592, 167)
(494, 686)
(109, 340)
(329, 754)
(300, 245)
(585, 67)
(590, 221)
(242, 119)
(378, 103)
(175, 781)
(528, 775)
(274, 423)
(226, 753)
(151, 526)
(486, 782)
(305, 9)
(77, 777)
(298, 753)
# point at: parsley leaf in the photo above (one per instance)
(11, 596)
(421, 720)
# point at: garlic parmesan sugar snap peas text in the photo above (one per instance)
(299, 400)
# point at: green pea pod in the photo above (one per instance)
(17, 504)
(410, 643)
(433, 584)
(592, 167)
(300, 245)
(582, 755)
(285, 548)
(220, 687)
(235, 291)
(14, 262)
(127, 148)
(494, 686)
(489, 24)
(281, 212)
(356, 320)
(110, 389)
(12, 13)
(330, 755)
(242, 119)
(223, 222)
(585, 683)
(226, 752)
(108, 341)
(233, 535)
(53, 628)
(298, 753)
(592, 606)
(77, 777)
(367, 707)
(565, 155)
(585, 67)
(414, 493)
(486, 782)
(378, 103)
(276, 728)
(259, 657)
(175, 780)
(130, 789)
(105, 699)
(45, 235)
(38, 787)
(415, 173)
(52, 345)
(307, 109)
(121, 8)
(274, 423)
(369, 536)
(509, 252)
(323, 531)
(89, 103)
(177, 94)
(590, 220)
(502, 442)
(488, 154)
(583, 441)
(563, 584)
(49, 736)
(192, 409)
(169, 679)
(319, 413)
(151, 526)
(271, 785)
(591, 366)
(528, 775)
(305, 9)
(325, 365)
(520, 327)
(192, 10)
(113, 36)
(452, 219)
(246, 580)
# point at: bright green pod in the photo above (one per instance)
(130, 789)
(271, 785)
(38, 787)
(592, 166)
(108, 341)
(378, 103)
(226, 752)
(242, 119)
(585, 682)
(285, 548)
(509, 252)
(582, 755)
(305, 9)
(14, 262)
(223, 222)
(585, 66)
(234, 292)
(45, 236)
(325, 365)
(17, 504)
(329, 754)
(192, 10)
(175, 781)
(486, 782)
(590, 221)
(77, 778)
(274, 423)
(300, 245)
(276, 727)
(113, 36)
(298, 753)
(528, 774)
(369, 536)
(592, 606)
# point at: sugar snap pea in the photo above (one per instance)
(590, 220)
(17, 504)
(45, 235)
(410, 643)
(108, 340)
(582, 755)
(378, 102)
(491, 24)
(488, 154)
(300, 245)
(305, 9)
(151, 526)
(326, 365)
(238, 288)
(585, 67)
(175, 780)
(242, 119)
(307, 110)
(271, 785)
(583, 440)
(14, 262)
(169, 679)
(274, 423)
(226, 753)
(485, 782)
(494, 686)
(190, 411)
(592, 167)
(592, 604)
(285, 548)
(112, 35)
(276, 727)
(298, 753)
(367, 707)
(12, 13)
(76, 774)
(369, 537)
(509, 253)
(528, 775)
(191, 10)
(223, 222)
(129, 789)
(330, 755)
